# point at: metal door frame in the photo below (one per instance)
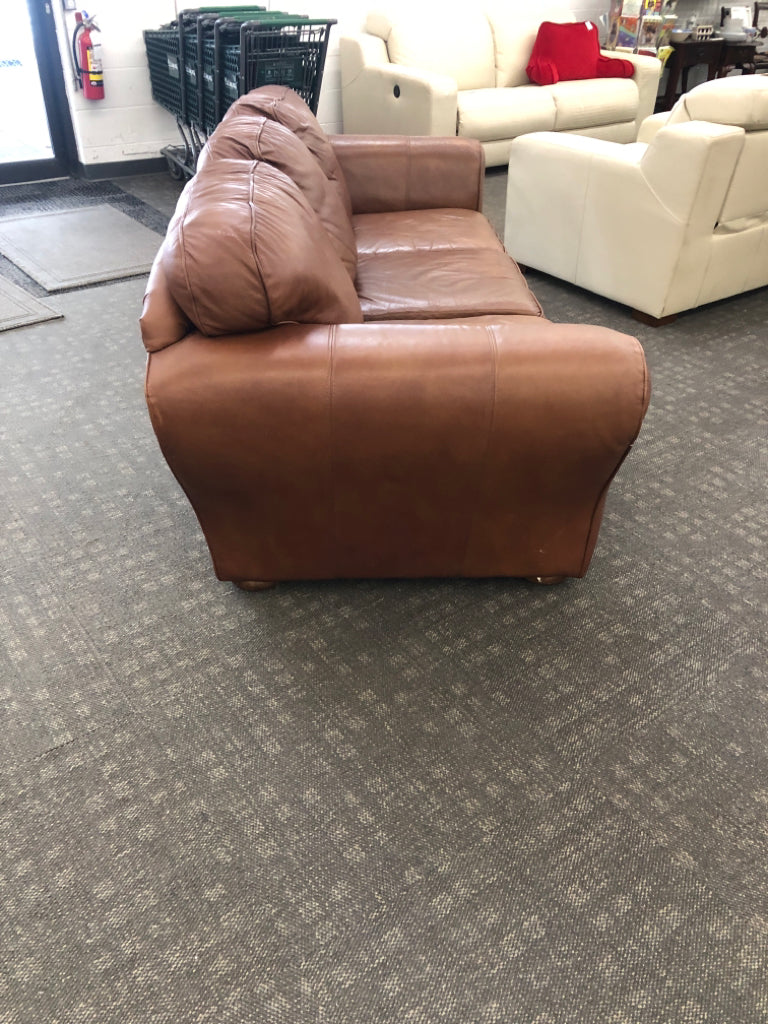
(62, 133)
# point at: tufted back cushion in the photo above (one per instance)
(244, 135)
(245, 251)
(446, 40)
(283, 105)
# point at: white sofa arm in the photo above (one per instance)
(690, 166)
(646, 77)
(627, 222)
(651, 126)
(549, 175)
(381, 98)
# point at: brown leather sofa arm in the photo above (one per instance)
(395, 172)
(162, 320)
(477, 447)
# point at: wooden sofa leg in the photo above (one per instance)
(653, 321)
(253, 585)
(545, 581)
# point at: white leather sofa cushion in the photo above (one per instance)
(488, 114)
(460, 46)
(741, 101)
(586, 103)
(514, 33)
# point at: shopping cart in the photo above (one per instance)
(200, 63)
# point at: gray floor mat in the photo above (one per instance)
(19, 309)
(49, 246)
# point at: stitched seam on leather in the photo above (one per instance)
(185, 270)
(258, 137)
(483, 474)
(407, 175)
(603, 492)
(331, 446)
(580, 235)
(683, 243)
(480, 185)
(256, 260)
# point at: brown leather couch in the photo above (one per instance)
(350, 377)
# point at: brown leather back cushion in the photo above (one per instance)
(281, 104)
(245, 251)
(249, 136)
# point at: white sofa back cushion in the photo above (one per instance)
(515, 26)
(457, 41)
(741, 101)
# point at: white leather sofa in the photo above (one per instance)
(671, 222)
(461, 70)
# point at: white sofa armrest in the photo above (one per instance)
(651, 126)
(381, 98)
(646, 77)
(548, 180)
(627, 222)
(689, 167)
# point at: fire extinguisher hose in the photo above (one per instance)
(81, 26)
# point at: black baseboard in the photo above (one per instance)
(23, 171)
(121, 168)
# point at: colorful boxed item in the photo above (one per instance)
(640, 25)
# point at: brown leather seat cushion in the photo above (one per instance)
(442, 284)
(423, 229)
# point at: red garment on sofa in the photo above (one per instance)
(570, 51)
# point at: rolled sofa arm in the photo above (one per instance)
(385, 98)
(471, 448)
(400, 172)
(163, 322)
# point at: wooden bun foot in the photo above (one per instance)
(653, 321)
(253, 585)
(545, 581)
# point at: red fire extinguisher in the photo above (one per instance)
(87, 55)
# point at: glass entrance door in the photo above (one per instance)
(36, 138)
(24, 133)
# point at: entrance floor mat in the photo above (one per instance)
(19, 309)
(71, 248)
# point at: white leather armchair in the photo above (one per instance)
(673, 221)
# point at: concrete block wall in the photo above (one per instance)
(128, 125)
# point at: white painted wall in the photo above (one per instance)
(128, 125)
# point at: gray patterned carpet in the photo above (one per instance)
(374, 803)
